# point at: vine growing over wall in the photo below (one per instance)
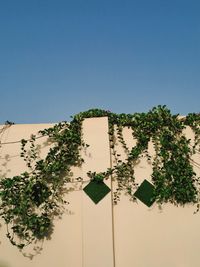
(29, 202)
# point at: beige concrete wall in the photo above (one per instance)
(155, 237)
(88, 235)
(79, 238)
(65, 246)
(97, 219)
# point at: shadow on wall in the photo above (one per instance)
(6, 159)
(4, 162)
(3, 264)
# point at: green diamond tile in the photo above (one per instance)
(96, 190)
(145, 193)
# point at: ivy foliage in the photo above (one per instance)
(30, 201)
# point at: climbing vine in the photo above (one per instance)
(30, 201)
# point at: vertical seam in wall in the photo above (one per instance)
(112, 204)
(82, 219)
(82, 215)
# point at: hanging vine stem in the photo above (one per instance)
(30, 201)
(7, 125)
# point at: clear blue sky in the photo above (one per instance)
(60, 57)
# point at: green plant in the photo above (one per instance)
(29, 202)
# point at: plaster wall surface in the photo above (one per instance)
(156, 236)
(88, 235)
